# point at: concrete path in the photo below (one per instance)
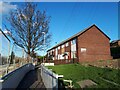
(32, 80)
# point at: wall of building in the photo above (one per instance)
(93, 45)
(89, 46)
(64, 53)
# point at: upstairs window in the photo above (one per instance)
(58, 47)
(62, 46)
(67, 44)
(73, 41)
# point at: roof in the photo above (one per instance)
(114, 41)
(5, 35)
(76, 35)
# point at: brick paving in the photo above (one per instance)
(32, 80)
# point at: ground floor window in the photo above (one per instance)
(73, 54)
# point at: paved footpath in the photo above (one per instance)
(32, 80)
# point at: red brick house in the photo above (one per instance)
(88, 45)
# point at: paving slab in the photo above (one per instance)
(86, 83)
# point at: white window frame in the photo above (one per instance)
(67, 44)
(73, 41)
(59, 48)
(62, 46)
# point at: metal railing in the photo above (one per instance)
(49, 78)
(4, 51)
(11, 55)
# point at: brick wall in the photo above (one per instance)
(67, 61)
(91, 45)
(95, 46)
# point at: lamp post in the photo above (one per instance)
(44, 45)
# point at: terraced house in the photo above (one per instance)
(88, 45)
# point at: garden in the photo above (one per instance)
(103, 77)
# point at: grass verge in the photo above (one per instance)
(77, 72)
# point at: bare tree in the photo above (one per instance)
(27, 27)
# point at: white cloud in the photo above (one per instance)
(6, 7)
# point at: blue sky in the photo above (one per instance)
(69, 18)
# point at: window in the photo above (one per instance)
(73, 47)
(66, 44)
(52, 53)
(73, 41)
(73, 54)
(56, 51)
(63, 49)
(62, 46)
(58, 47)
(48, 53)
(58, 56)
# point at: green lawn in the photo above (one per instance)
(77, 72)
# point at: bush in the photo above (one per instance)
(115, 52)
